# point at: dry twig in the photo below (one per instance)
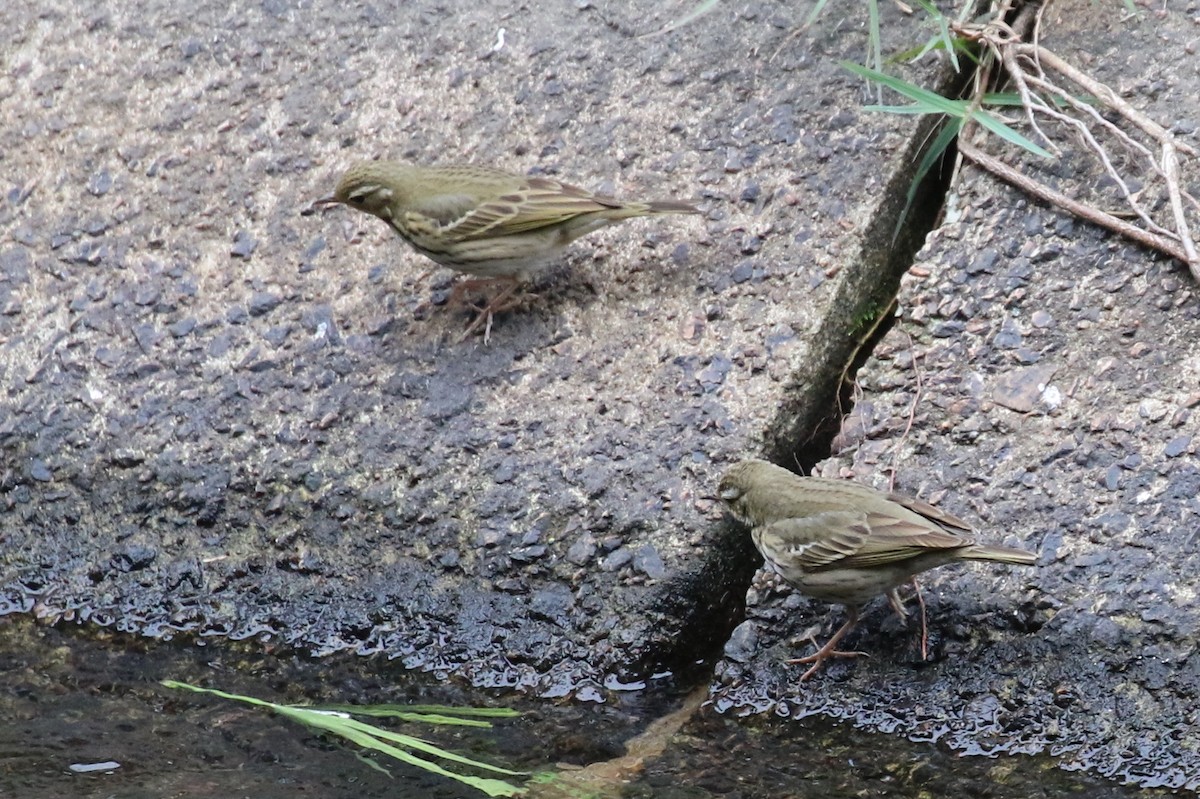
(1149, 153)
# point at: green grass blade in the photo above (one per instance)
(943, 34)
(420, 745)
(927, 102)
(477, 712)
(816, 12)
(932, 157)
(1008, 134)
(490, 786)
(931, 101)
(338, 722)
(875, 41)
(403, 714)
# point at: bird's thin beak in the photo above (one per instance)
(318, 205)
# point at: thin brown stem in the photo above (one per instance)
(1094, 215)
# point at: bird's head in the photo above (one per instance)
(369, 186)
(734, 489)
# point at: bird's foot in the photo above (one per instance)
(501, 302)
(818, 658)
(829, 650)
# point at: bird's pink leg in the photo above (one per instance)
(501, 302)
(830, 650)
(924, 621)
(898, 605)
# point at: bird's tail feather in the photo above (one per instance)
(1017, 557)
(670, 207)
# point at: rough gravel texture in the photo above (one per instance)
(222, 418)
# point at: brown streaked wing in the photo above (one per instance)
(537, 187)
(540, 203)
(894, 539)
(492, 218)
(817, 540)
(931, 512)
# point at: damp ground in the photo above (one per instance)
(76, 697)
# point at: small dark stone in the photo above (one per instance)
(751, 244)
(19, 194)
(489, 536)
(311, 252)
(219, 345)
(527, 554)
(1112, 477)
(133, 558)
(407, 385)
(277, 334)
(743, 643)
(263, 302)
(595, 477)
(951, 329)
(1177, 446)
(147, 337)
(1051, 251)
(616, 559)
(680, 253)
(649, 562)
(100, 183)
(191, 47)
(15, 263)
(984, 262)
(1113, 521)
(552, 603)
(449, 401)
(243, 245)
(1009, 336)
(842, 119)
(146, 294)
(505, 472)
(713, 375)
(182, 327)
(106, 357)
(262, 365)
(126, 459)
(277, 8)
(582, 550)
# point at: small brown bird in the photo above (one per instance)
(843, 542)
(489, 223)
